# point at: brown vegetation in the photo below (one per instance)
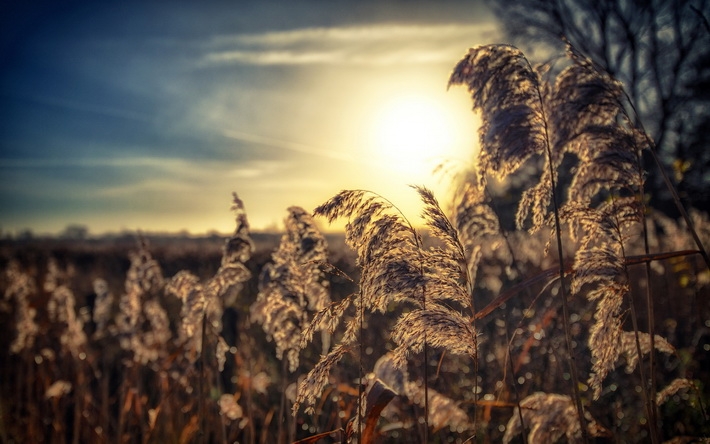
(463, 331)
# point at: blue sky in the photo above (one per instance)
(147, 115)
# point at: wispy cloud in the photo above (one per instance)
(155, 127)
(85, 107)
(358, 45)
(89, 162)
(287, 145)
(362, 34)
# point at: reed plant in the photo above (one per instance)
(291, 287)
(572, 125)
(547, 302)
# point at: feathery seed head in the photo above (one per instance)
(292, 285)
(550, 416)
(505, 90)
(440, 327)
(674, 387)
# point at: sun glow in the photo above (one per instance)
(408, 135)
(413, 134)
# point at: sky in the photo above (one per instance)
(126, 116)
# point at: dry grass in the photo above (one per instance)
(493, 323)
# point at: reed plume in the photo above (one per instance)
(21, 287)
(396, 268)
(61, 308)
(58, 389)
(672, 388)
(515, 101)
(505, 92)
(580, 116)
(103, 307)
(142, 322)
(204, 303)
(187, 288)
(292, 285)
(549, 417)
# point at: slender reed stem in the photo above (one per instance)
(28, 384)
(361, 371)
(426, 384)
(563, 290)
(652, 426)
(644, 386)
(250, 405)
(420, 246)
(78, 404)
(649, 307)
(141, 419)
(121, 410)
(200, 383)
(106, 375)
(282, 407)
(509, 358)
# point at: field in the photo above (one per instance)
(59, 385)
(554, 306)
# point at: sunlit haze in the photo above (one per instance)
(409, 133)
(146, 116)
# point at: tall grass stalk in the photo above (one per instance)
(507, 91)
(581, 114)
(291, 287)
(396, 270)
(560, 155)
(563, 289)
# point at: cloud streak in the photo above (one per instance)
(376, 45)
(116, 128)
(287, 145)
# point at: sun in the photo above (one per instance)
(412, 135)
(407, 136)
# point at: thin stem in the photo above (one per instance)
(419, 246)
(634, 321)
(200, 382)
(282, 406)
(426, 381)
(649, 307)
(568, 338)
(121, 400)
(78, 403)
(642, 374)
(360, 371)
(104, 402)
(563, 291)
(509, 358)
